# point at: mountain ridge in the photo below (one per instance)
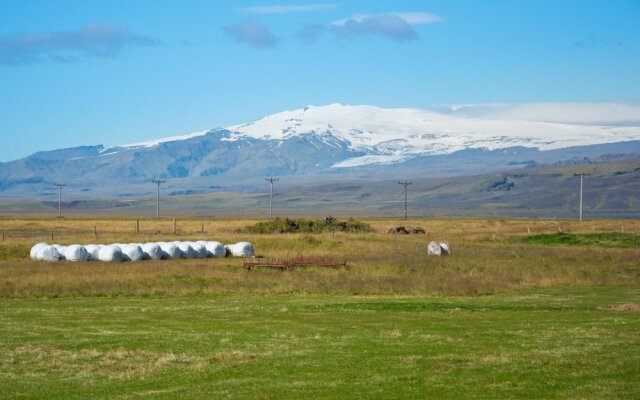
(401, 133)
(364, 142)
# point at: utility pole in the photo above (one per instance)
(271, 180)
(60, 186)
(581, 175)
(158, 182)
(405, 183)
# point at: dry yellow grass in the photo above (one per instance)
(69, 228)
(486, 258)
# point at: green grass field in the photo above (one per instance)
(500, 318)
(589, 239)
(561, 342)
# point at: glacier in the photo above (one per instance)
(388, 135)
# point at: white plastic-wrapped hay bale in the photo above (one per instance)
(241, 249)
(110, 253)
(34, 250)
(61, 249)
(186, 250)
(152, 251)
(169, 250)
(76, 252)
(131, 252)
(204, 244)
(439, 248)
(446, 248)
(199, 250)
(48, 253)
(215, 249)
(434, 249)
(92, 249)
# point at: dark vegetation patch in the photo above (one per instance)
(611, 239)
(503, 184)
(407, 230)
(308, 225)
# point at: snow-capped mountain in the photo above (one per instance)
(338, 140)
(394, 135)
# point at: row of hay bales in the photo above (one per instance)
(139, 251)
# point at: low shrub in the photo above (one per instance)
(307, 225)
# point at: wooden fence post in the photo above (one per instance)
(174, 225)
(137, 225)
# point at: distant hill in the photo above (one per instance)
(612, 190)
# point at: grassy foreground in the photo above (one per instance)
(500, 318)
(552, 343)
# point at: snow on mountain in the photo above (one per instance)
(396, 134)
(156, 142)
(371, 159)
(390, 135)
(339, 141)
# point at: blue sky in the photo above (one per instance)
(114, 72)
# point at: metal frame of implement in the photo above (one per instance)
(292, 263)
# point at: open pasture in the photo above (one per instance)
(488, 256)
(500, 318)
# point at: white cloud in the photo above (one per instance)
(419, 18)
(95, 39)
(394, 26)
(610, 113)
(285, 9)
(411, 18)
(253, 33)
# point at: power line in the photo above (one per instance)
(581, 175)
(271, 180)
(405, 183)
(60, 186)
(158, 182)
